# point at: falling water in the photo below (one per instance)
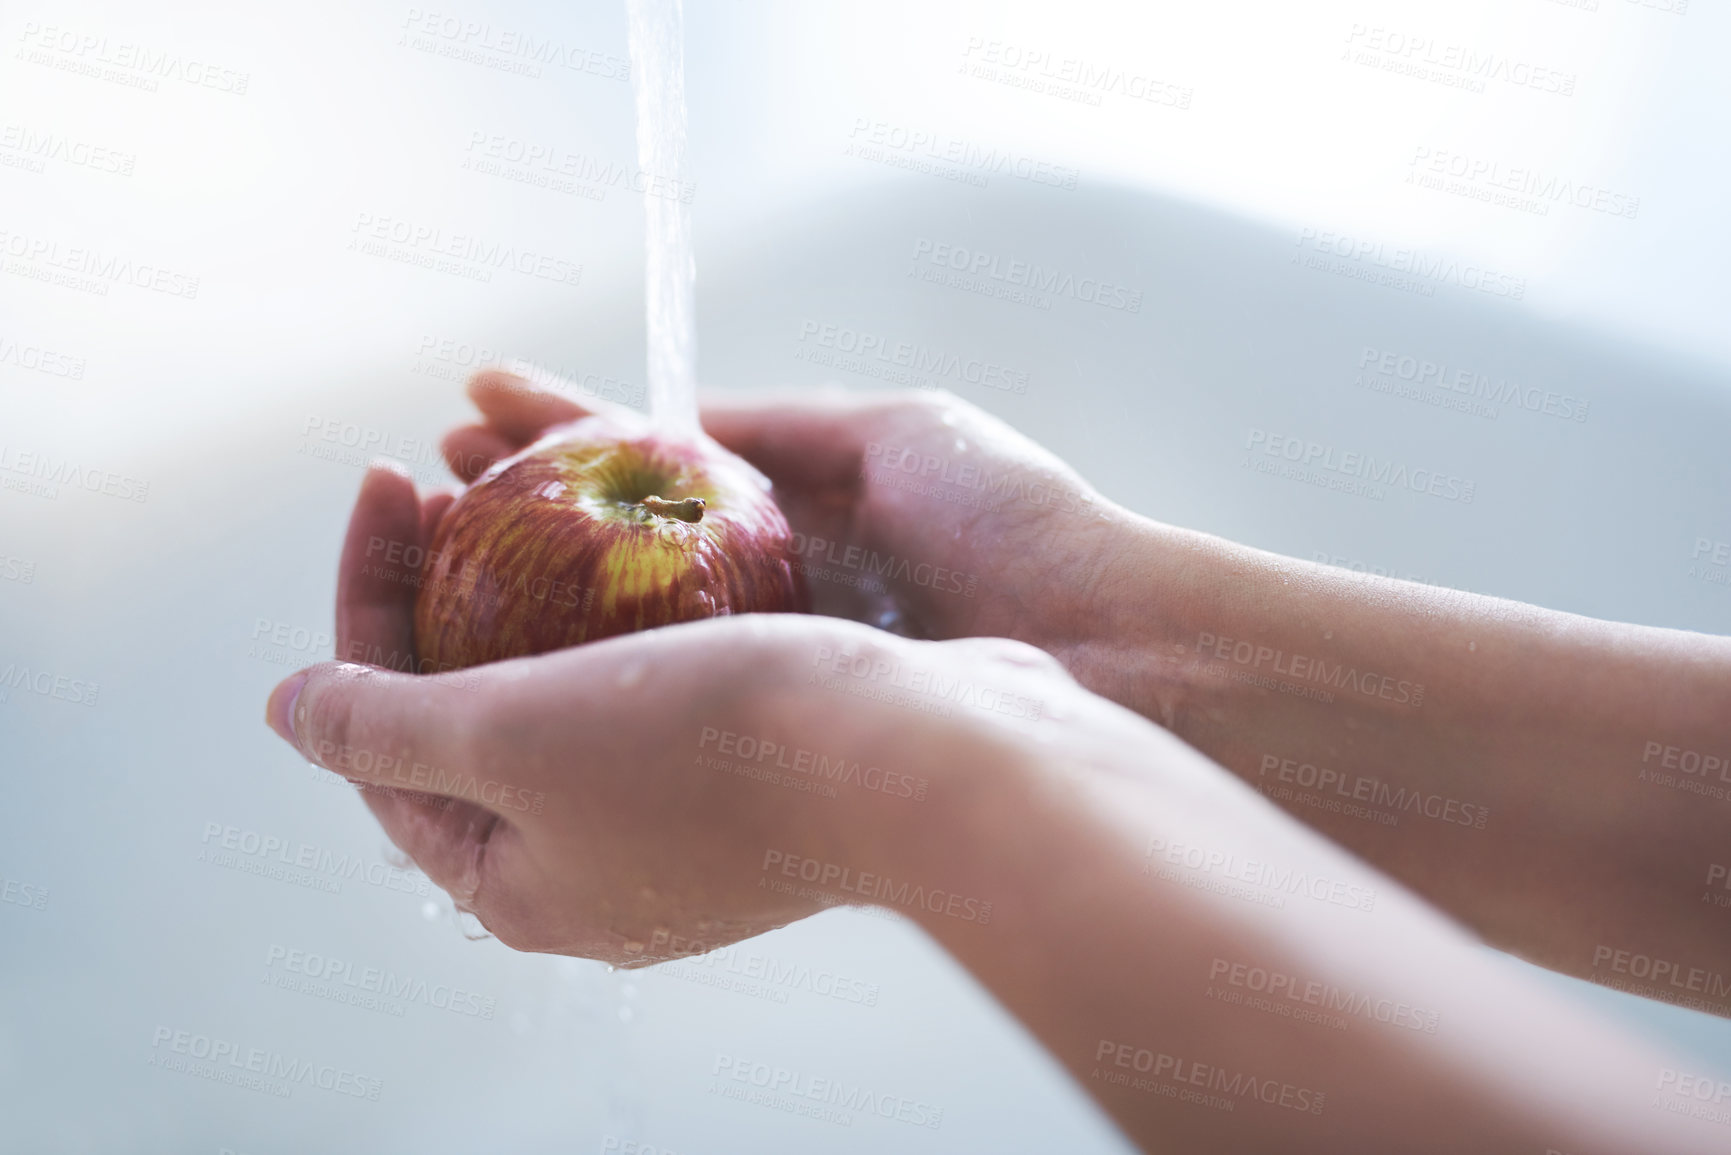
(658, 78)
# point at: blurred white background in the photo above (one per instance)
(221, 296)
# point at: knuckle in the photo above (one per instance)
(1010, 652)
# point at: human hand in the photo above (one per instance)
(574, 802)
(916, 512)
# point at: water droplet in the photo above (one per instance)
(1472, 645)
(631, 675)
(429, 910)
(633, 947)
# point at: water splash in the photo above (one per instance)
(657, 33)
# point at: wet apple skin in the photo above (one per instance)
(554, 546)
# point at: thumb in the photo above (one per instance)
(382, 728)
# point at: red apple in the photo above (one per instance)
(600, 528)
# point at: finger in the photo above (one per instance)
(470, 449)
(375, 605)
(811, 440)
(520, 410)
(410, 773)
(433, 509)
(375, 623)
(447, 838)
(406, 741)
(385, 728)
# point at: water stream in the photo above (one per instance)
(657, 34)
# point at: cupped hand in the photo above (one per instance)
(641, 797)
(916, 512)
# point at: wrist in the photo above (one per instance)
(965, 772)
(937, 862)
(1128, 632)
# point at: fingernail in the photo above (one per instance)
(279, 712)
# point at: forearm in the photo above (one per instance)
(1562, 784)
(1222, 980)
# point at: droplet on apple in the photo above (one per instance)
(600, 528)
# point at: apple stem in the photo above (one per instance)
(685, 509)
